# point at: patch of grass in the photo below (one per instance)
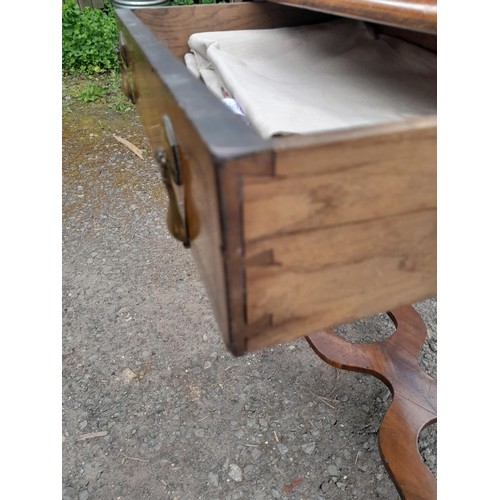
(91, 93)
(104, 89)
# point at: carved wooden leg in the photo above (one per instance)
(413, 407)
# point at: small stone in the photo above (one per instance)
(263, 422)
(128, 375)
(379, 477)
(255, 453)
(325, 487)
(83, 424)
(83, 495)
(250, 471)
(133, 207)
(199, 433)
(282, 448)
(207, 365)
(235, 473)
(308, 448)
(341, 485)
(333, 470)
(213, 478)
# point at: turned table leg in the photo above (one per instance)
(394, 361)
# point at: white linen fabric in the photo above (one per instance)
(314, 78)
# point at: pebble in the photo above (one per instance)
(341, 485)
(263, 422)
(83, 424)
(333, 470)
(250, 471)
(199, 433)
(235, 473)
(207, 365)
(213, 478)
(282, 448)
(308, 448)
(83, 495)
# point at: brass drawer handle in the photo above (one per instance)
(170, 165)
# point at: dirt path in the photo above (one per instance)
(154, 407)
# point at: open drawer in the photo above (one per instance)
(289, 234)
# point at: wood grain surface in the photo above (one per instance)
(346, 227)
(418, 15)
(153, 100)
(414, 404)
(296, 234)
(174, 26)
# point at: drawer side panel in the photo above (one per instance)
(153, 101)
(174, 25)
(349, 235)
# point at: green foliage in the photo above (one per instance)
(101, 89)
(89, 37)
(91, 92)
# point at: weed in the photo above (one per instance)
(92, 92)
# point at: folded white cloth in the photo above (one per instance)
(315, 78)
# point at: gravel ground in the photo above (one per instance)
(153, 404)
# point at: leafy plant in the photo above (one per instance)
(89, 37)
(91, 92)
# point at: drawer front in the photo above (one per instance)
(295, 234)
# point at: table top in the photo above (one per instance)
(417, 15)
